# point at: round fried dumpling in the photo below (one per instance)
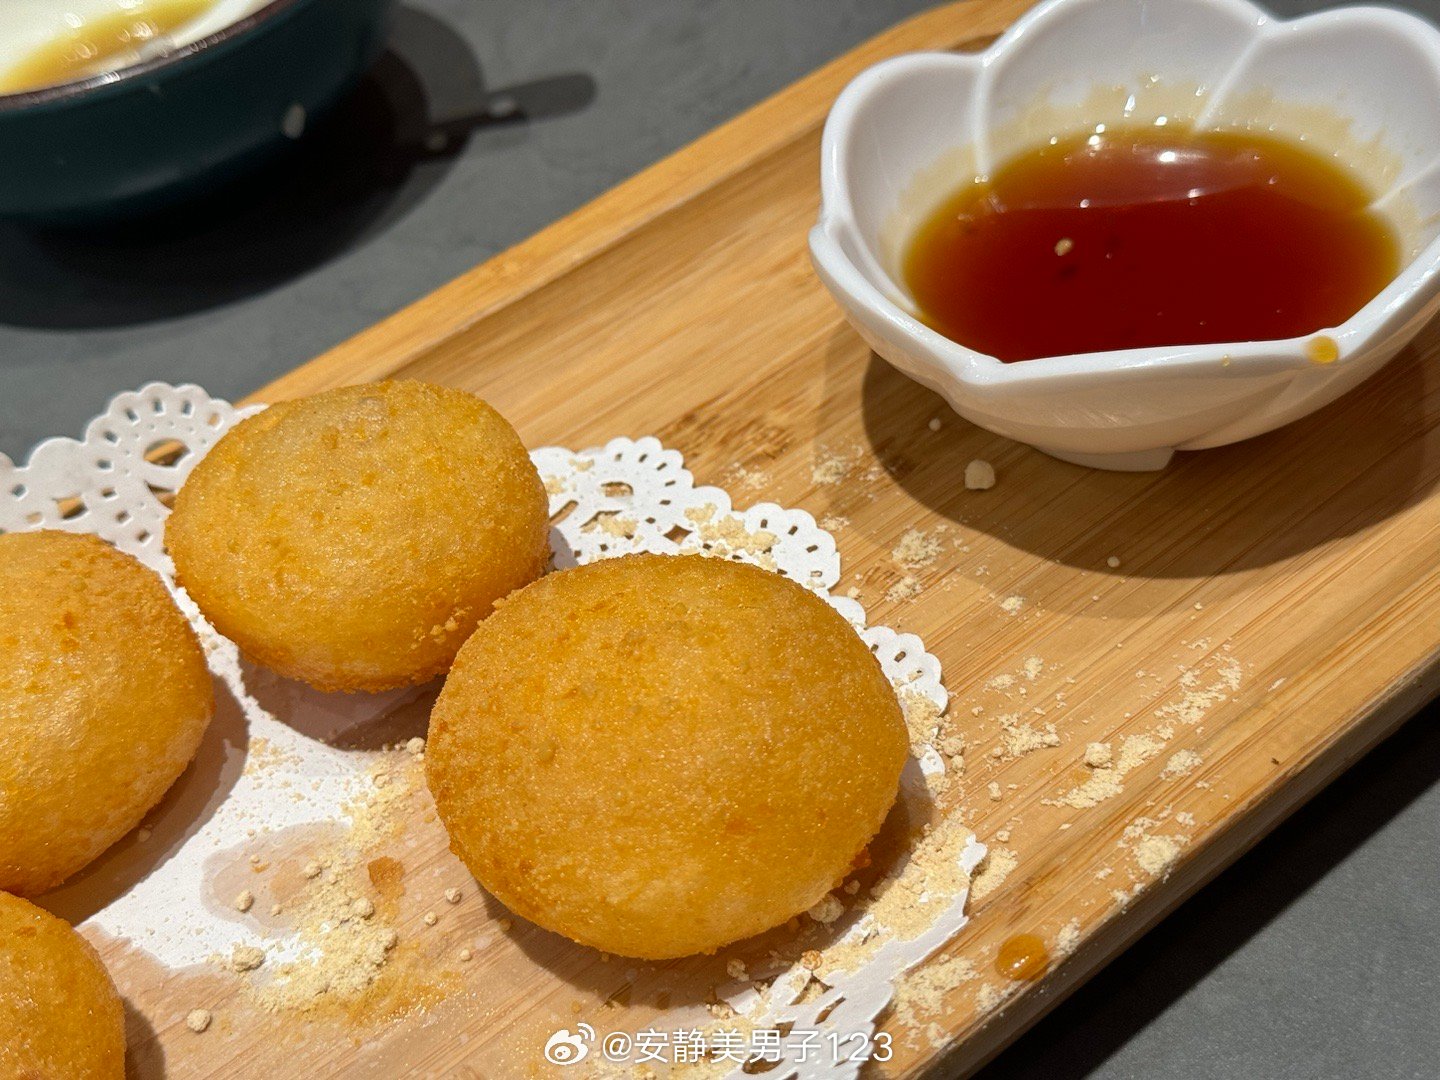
(104, 697)
(354, 539)
(60, 1016)
(659, 755)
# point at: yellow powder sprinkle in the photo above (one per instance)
(344, 940)
(612, 524)
(827, 910)
(1198, 700)
(1011, 605)
(832, 468)
(906, 902)
(993, 871)
(1181, 763)
(751, 479)
(1021, 738)
(1068, 938)
(246, 958)
(1136, 750)
(907, 588)
(916, 549)
(1155, 854)
(1098, 755)
(922, 992)
(725, 535)
(922, 718)
(1105, 779)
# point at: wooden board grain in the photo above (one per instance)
(1273, 613)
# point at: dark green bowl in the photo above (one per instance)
(152, 134)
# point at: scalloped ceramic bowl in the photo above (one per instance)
(1362, 83)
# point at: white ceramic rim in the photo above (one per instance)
(1384, 313)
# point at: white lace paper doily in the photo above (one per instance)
(627, 496)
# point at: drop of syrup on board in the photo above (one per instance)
(1150, 236)
(1023, 958)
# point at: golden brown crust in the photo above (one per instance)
(657, 756)
(104, 698)
(60, 1015)
(354, 539)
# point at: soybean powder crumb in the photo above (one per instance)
(1181, 763)
(979, 475)
(916, 549)
(907, 588)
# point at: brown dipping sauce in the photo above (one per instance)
(1149, 236)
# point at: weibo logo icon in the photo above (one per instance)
(563, 1048)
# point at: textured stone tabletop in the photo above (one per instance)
(1315, 956)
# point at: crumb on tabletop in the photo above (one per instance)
(246, 958)
(1098, 755)
(979, 475)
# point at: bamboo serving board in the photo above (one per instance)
(1274, 611)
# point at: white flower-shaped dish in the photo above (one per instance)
(1362, 83)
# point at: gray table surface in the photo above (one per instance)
(1315, 956)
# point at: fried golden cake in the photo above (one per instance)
(354, 539)
(60, 1016)
(104, 697)
(659, 755)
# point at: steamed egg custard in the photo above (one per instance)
(48, 43)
